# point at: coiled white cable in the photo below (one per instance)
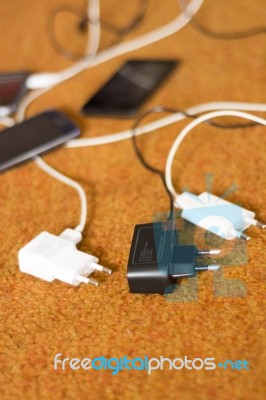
(45, 80)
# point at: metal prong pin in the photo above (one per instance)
(101, 268)
(213, 267)
(244, 236)
(208, 252)
(260, 225)
(87, 280)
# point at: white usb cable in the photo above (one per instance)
(94, 22)
(7, 121)
(47, 80)
(70, 182)
(44, 82)
(169, 120)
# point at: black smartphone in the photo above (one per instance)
(34, 136)
(127, 90)
(12, 88)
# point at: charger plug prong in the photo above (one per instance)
(100, 268)
(213, 267)
(208, 252)
(260, 225)
(242, 235)
(83, 279)
(254, 222)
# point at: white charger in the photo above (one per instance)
(219, 216)
(51, 257)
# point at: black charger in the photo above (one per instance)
(156, 260)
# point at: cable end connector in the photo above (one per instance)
(51, 257)
(42, 80)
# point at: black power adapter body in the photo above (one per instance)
(156, 259)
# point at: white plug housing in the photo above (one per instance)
(216, 215)
(51, 257)
(42, 80)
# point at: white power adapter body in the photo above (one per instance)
(216, 215)
(51, 257)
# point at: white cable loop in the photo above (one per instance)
(189, 127)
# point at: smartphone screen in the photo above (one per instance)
(35, 136)
(12, 88)
(127, 90)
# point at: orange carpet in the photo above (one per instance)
(40, 319)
